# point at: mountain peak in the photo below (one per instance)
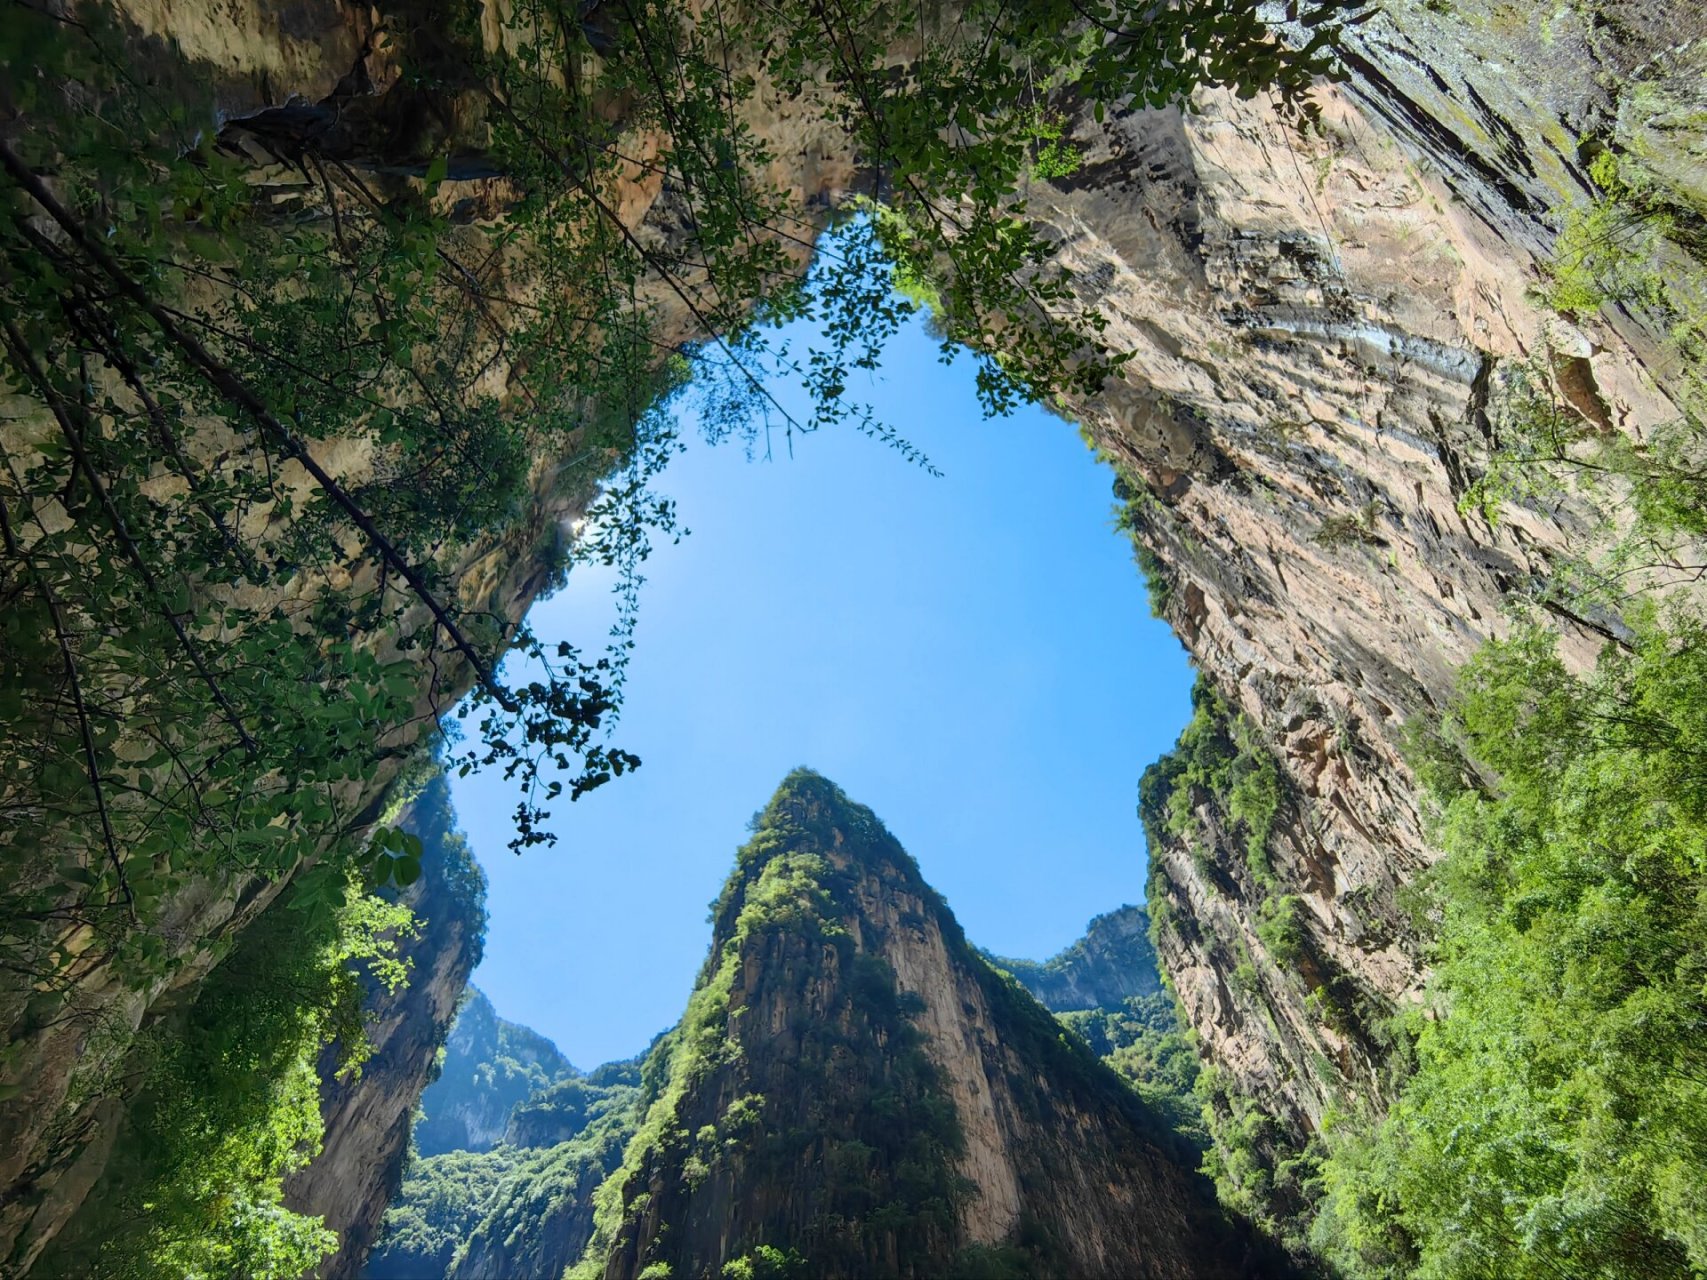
(853, 1086)
(808, 842)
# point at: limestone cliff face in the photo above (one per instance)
(852, 1082)
(63, 1082)
(1321, 324)
(491, 1066)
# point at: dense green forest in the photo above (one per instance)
(522, 1199)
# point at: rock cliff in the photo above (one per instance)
(490, 1067)
(1324, 325)
(854, 1091)
(366, 1101)
(368, 1116)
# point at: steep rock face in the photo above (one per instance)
(368, 1116)
(1111, 963)
(1321, 324)
(62, 1085)
(854, 1084)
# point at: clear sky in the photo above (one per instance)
(971, 655)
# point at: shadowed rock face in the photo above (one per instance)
(491, 1066)
(368, 1116)
(853, 1082)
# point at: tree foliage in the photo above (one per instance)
(276, 385)
(227, 1103)
(258, 420)
(1556, 1122)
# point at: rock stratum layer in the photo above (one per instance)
(1322, 326)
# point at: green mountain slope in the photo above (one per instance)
(855, 1091)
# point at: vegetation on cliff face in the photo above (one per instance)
(1220, 793)
(228, 1090)
(1555, 1117)
(1547, 1112)
(227, 1103)
(280, 380)
(1548, 1118)
(868, 1109)
(1556, 1120)
(802, 1120)
(1219, 755)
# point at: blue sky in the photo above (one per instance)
(970, 655)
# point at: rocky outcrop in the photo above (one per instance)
(491, 1067)
(524, 1206)
(853, 1085)
(1320, 325)
(1111, 963)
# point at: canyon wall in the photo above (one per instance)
(369, 1114)
(65, 1078)
(1321, 324)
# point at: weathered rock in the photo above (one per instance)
(1319, 324)
(368, 1116)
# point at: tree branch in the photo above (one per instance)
(228, 384)
(91, 761)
